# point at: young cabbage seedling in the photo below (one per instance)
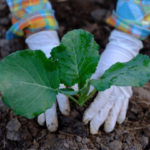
(29, 81)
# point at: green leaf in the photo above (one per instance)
(77, 57)
(29, 82)
(69, 91)
(135, 73)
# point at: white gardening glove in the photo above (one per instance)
(111, 105)
(45, 41)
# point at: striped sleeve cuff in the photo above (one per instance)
(132, 17)
(30, 16)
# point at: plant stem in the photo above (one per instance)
(72, 98)
(80, 97)
(90, 95)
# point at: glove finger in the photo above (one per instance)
(100, 100)
(112, 117)
(51, 118)
(41, 119)
(63, 102)
(122, 114)
(123, 111)
(101, 116)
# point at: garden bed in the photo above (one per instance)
(18, 133)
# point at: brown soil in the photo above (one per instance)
(18, 133)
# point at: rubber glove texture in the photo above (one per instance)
(45, 41)
(110, 106)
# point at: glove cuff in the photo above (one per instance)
(126, 42)
(43, 40)
(122, 47)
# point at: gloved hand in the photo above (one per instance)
(45, 41)
(111, 105)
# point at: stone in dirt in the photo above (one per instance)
(103, 147)
(100, 14)
(98, 140)
(4, 52)
(62, 136)
(14, 136)
(36, 144)
(3, 108)
(50, 140)
(3, 31)
(50, 136)
(78, 139)
(115, 145)
(4, 21)
(13, 125)
(2, 6)
(4, 42)
(66, 145)
(143, 140)
(85, 140)
(5, 47)
(147, 131)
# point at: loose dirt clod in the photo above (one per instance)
(13, 135)
(117, 145)
(98, 140)
(103, 147)
(66, 145)
(13, 125)
(3, 108)
(61, 136)
(78, 139)
(85, 140)
(147, 131)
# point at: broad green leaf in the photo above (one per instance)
(133, 73)
(28, 82)
(77, 57)
(69, 91)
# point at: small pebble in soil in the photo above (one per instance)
(13, 125)
(13, 135)
(78, 139)
(147, 131)
(115, 145)
(3, 6)
(100, 14)
(3, 108)
(85, 140)
(103, 147)
(70, 143)
(62, 136)
(4, 21)
(66, 145)
(84, 147)
(144, 141)
(98, 140)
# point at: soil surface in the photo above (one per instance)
(18, 133)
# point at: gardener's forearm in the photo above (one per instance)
(126, 19)
(30, 17)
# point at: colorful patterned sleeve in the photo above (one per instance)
(132, 17)
(30, 16)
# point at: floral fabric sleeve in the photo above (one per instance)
(132, 17)
(30, 16)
